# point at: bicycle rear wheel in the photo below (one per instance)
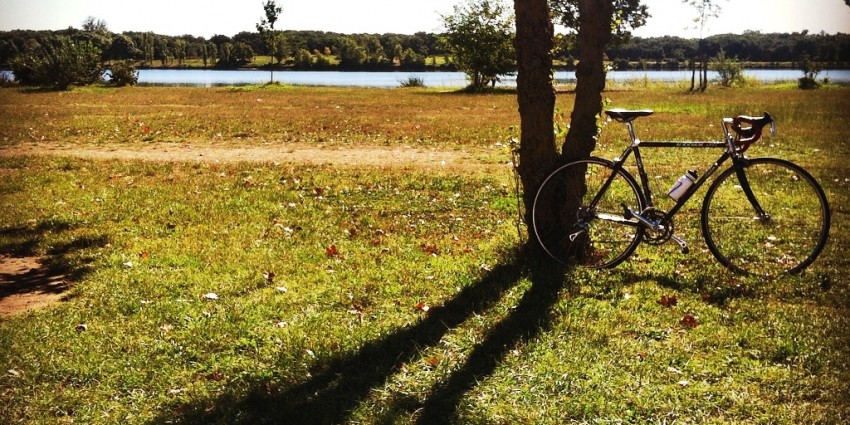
(786, 239)
(597, 235)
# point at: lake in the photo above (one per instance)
(208, 78)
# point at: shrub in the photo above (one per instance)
(729, 69)
(59, 62)
(413, 82)
(123, 73)
(810, 73)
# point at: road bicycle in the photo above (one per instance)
(761, 216)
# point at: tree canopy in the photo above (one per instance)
(480, 34)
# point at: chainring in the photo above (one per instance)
(657, 237)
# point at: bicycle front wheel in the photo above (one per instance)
(578, 214)
(781, 228)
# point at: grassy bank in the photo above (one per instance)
(285, 293)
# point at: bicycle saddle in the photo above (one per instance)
(624, 115)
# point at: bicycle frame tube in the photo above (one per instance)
(644, 179)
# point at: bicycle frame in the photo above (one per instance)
(738, 161)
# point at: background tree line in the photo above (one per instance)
(328, 50)
(296, 49)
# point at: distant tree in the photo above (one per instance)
(730, 70)
(397, 52)
(410, 58)
(92, 24)
(123, 73)
(303, 59)
(375, 53)
(351, 54)
(122, 47)
(480, 34)
(178, 47)
(241, 55)
(59, 62)
(148, 48)
(266, 29)
(706, 10)
(810, 69)
(161, 50)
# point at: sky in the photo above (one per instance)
(206, 18)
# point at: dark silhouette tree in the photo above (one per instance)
(535, 94)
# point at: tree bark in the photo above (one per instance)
(593, 36)
(538, 154)
(535, 96)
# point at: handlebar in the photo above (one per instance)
(748, 130)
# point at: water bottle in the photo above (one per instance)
(682, 185)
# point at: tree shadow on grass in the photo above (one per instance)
(339, 385)
(26, 272)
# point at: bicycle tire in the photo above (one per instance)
(789, 241)
(609, 238)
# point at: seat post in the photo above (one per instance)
(631, 126)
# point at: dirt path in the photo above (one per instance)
(298, 153)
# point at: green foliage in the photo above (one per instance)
(730, 70)
(235, 55)
(480, 34)
(59, 63)
(628, 15)
(413, 82)
(810, 69)
(304, 59)
(123, 73)
(271, 37)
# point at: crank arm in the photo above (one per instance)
(682, 243)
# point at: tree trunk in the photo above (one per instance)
(593, 36)
(536, 97)
(693, 64)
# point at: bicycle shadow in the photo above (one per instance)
(337, 386)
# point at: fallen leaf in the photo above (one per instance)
(430, 249)
(211, 296)
(422, 306)
(689, 321)
(433, 361)
(144, 255)
(331, 251)
(668, 301)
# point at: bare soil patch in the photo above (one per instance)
(298, 153)
(26, 283)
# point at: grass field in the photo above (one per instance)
(267, 292)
